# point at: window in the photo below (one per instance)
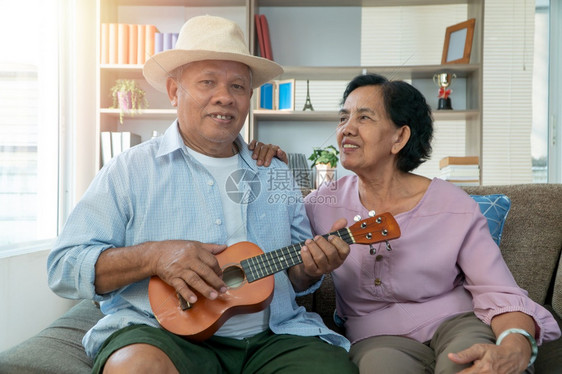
(29, 118)
(539, 134)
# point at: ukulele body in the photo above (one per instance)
(205, 317)
(248, 274)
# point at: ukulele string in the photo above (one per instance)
(291, 252)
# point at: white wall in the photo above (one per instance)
(27, 305)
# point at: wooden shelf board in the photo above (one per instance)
(121, 67)
(145, 113)
(186, 3)
(393, 72)
(347, 72)
(286, 115)
(332, 116)
(365, 3)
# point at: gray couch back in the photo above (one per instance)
(532, 238)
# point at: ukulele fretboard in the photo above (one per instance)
(269, 263)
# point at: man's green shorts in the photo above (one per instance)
(263, 353)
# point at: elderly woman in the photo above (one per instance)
(442, 299)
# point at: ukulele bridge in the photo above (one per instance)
(184, 304)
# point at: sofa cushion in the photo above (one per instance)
(494, 208)
(58, 348)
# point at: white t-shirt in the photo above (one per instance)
(240, 325)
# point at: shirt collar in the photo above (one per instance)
(172, 141)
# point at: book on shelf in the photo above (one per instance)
(458, 160)
(104, 45)
(151, 31)
(141, 41)
(266, 96)
(460, 170)
(266, 38)
(133, 43)
(115, 142)
(123, 44)
(116, 146)
(169, 41)
(259, 35)
(164, 41)
(105, 147)
(128, 140)
(112, 43)
(465, 171)
(460, 182)
(158, 42)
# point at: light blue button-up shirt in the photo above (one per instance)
(156, 191)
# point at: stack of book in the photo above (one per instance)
(462, 171)
(123, 43)
(114, 142)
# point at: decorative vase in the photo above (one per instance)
(125, 100)
(324, 174)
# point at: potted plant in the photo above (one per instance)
(127, 97)
(325, 160)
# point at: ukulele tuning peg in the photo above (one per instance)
(388, 247)
(372, 213)
(357, 218)
(372, 250)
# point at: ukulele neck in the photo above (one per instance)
(269, 263)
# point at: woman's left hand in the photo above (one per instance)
(506, 358)
(264, 153)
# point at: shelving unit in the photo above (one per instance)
(168, 16)
(160, 113)
(268, 126)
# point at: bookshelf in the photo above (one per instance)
(306, 30)
(326, 61)
(168, 16)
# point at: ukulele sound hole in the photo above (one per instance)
(233, 276)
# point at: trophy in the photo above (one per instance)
(444, 81)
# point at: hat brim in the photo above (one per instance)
(157, 69)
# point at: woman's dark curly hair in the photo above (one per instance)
(405, 105)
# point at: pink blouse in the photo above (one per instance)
(445, 263)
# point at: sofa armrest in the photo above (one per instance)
(58, 348)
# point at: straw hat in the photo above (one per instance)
(208, 38)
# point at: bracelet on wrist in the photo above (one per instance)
(530, 338)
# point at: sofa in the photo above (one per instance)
(531, 245)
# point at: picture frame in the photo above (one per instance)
(285, 94)
(458, 43)
(266, 96)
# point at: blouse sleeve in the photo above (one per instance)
(492, 285)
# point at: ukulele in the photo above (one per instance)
(248, 275)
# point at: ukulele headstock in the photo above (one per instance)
(382, 227)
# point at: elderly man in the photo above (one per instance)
(169, 207)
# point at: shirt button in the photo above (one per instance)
(378, 258)
(378, 282)
(210, 182)
(218, 221)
